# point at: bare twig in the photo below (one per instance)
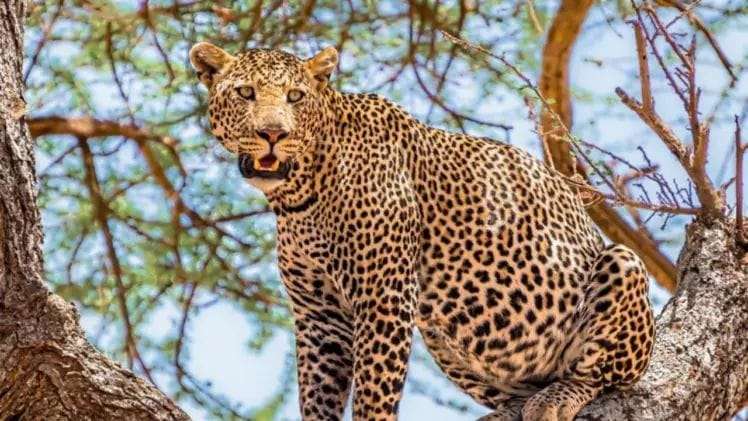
(435, 99)
(739, 150)
(100, 210)
(534, 17)
(694, 162)
(687, 10)
(663, 131)
(641, 50)
(618, 199)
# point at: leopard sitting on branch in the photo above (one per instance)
(385, 224)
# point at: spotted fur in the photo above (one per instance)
(386, 224)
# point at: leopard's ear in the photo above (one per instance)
(209, 61)
(322, 65)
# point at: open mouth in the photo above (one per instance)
(266, 167)
(267, 163)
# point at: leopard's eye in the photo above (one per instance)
(295, 95)
(246, 92)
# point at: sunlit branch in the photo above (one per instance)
(100, 209)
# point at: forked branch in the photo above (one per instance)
(682, 81)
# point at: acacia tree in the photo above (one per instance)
(204, 241)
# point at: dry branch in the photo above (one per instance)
(693, 160)
(687, 10)
(653, 120)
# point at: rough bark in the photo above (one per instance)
(48, 371)
(554, 85)
(699, 368)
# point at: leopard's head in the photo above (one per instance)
(265, 106)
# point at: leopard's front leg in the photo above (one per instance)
(324, 364)
(383, 288)
(381, 347)
(323, 329)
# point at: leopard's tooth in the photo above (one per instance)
(257, 164)
(275, 165)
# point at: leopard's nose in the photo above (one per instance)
(272, 134)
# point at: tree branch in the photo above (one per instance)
(687, 10)
(739, 152)
(693, 161)
(102, 217)
(87, 127)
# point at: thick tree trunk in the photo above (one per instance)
(699, 369)
(48, 371)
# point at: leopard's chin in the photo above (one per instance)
(265, 185)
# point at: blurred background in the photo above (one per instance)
(175, 274)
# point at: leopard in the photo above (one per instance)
(386, 225)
